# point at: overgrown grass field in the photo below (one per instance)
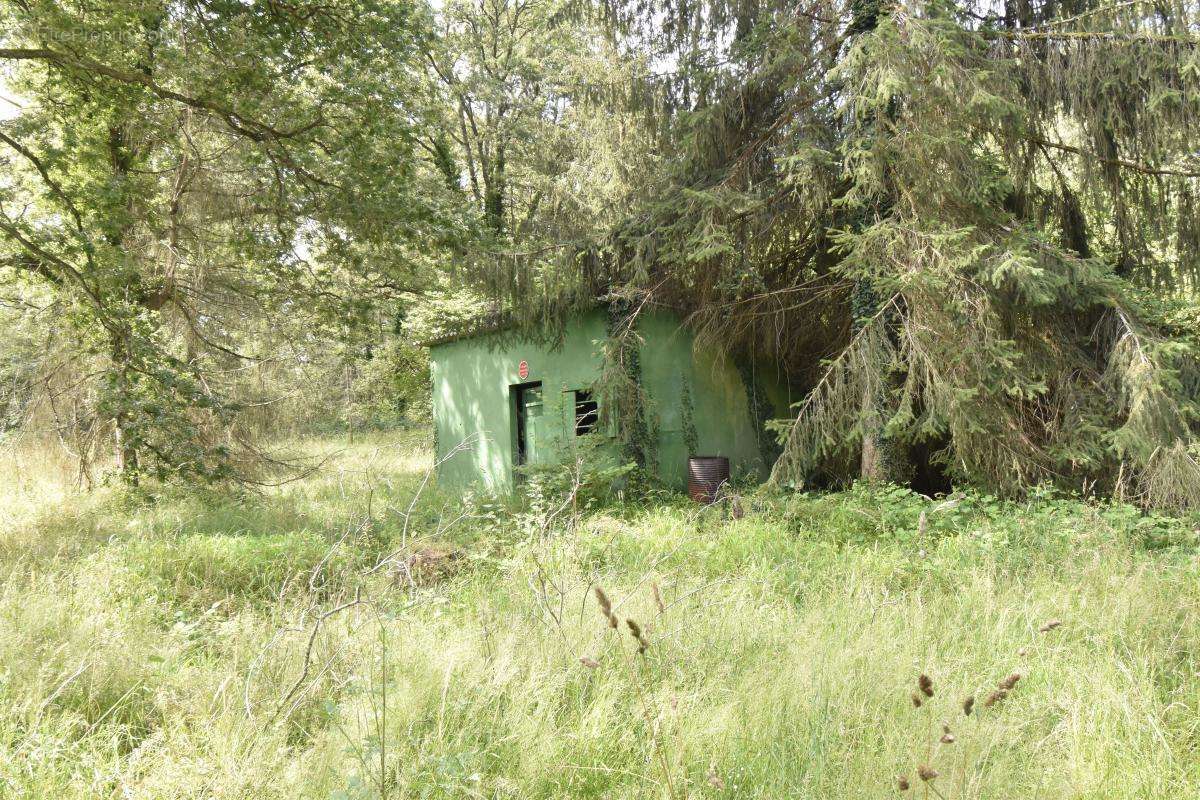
(334, 639)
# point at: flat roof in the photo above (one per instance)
(479, 327)
(501, 321)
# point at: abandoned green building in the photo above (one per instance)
(518, 400)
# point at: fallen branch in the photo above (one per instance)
(308, 650)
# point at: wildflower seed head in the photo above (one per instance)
(658, 601)
(969, 705)
(926, 773)
(612, 621)
(948, 738)
(602, 599)
(635, 631)
(995, 697)
(1008, 683)
(945, 726)
(902, 783)
(925, 684)
(1051, 625)
(916, 700)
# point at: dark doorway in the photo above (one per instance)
(928, 461)
(527, 403)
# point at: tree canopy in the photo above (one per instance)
(182, 173)
(958, 226)
(964, 231)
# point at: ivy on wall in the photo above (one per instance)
(691, 439)
(622, 396)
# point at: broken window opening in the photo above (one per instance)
(587, 413)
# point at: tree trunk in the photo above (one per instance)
(871, 466)
(882, 459)
(494, 192)
(125, 441)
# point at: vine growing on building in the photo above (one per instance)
(687, 414)
(623, 398)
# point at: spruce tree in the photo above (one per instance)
(956, 226)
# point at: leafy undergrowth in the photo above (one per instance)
(331, 639)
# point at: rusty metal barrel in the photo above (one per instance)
(705, 476)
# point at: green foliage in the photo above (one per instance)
(687, 413)
(958, 228)
(594, 478)
(378, 385)
(19, 357)
(205, 182)
(146, 647)
(622, 398)
(1047, 522)
(550, 146)
(934, 221)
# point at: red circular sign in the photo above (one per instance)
(523, 370)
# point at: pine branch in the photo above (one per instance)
(1107, 36)
(1084, 14)
(1144, 169)
(53, 185)
(825, 388)
(245, 126)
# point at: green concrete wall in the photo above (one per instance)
(472, 395)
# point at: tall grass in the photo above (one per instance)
(221, 647)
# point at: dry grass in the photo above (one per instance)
(215, 647)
